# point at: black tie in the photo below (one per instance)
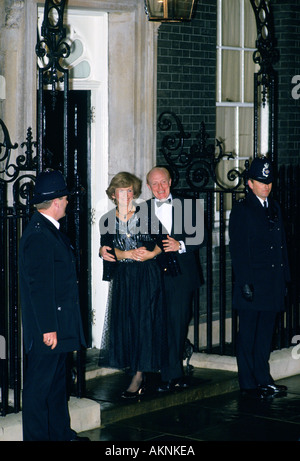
(161, 202)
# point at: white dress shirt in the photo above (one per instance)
(262, 201)
(164, 214)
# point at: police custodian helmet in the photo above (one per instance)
(261, 170)
(49, 184)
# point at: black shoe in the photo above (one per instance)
(182, 383)
(166, 386)
(172, 384)
(134, 395)
(258, 393)
(274, 388)
(78, 438)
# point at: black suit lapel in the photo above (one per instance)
(172, 225)
(178, 214)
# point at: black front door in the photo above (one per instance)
(77, 223)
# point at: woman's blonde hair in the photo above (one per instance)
(124, 179)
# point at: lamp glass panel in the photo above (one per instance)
(170, 9)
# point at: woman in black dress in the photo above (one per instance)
(134, 335)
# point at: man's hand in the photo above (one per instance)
(248, 292)
(170, 244)
(104, 253)
(50, 339)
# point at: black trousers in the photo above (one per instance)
(45, 410)
(179, 303)
(254, 347)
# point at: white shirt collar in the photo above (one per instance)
(262, 201)
(56, 223)
(168, 198)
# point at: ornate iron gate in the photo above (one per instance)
(17, 176)
(194, 170)
(15, 186)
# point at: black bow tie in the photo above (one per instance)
(162, 202)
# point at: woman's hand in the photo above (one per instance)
(138, 254)
(142, 254)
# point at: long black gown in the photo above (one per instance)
(134, 333)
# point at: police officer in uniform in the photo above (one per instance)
(259, 258)
(50, 312)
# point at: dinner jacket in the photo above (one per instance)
(184, 265)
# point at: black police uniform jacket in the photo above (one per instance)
(259, 254)
(48, 288)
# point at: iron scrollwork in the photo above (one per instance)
(22, 172)
(53, 45)
(52, 49)
(199, 162)
(9, 170)
(266, 54)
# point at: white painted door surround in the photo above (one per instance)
(123, 91)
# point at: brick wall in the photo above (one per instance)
(187, 74)
(186, 86)
(186, 70)
(287, 33)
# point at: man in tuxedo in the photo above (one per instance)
(50, 312)
(181, 232)
(261, 272)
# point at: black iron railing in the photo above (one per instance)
(194, 169)
(212, 302)
(15, 185)
(17, 177)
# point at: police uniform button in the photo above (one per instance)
(59, 308)
(271, 247)
(273, 265)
